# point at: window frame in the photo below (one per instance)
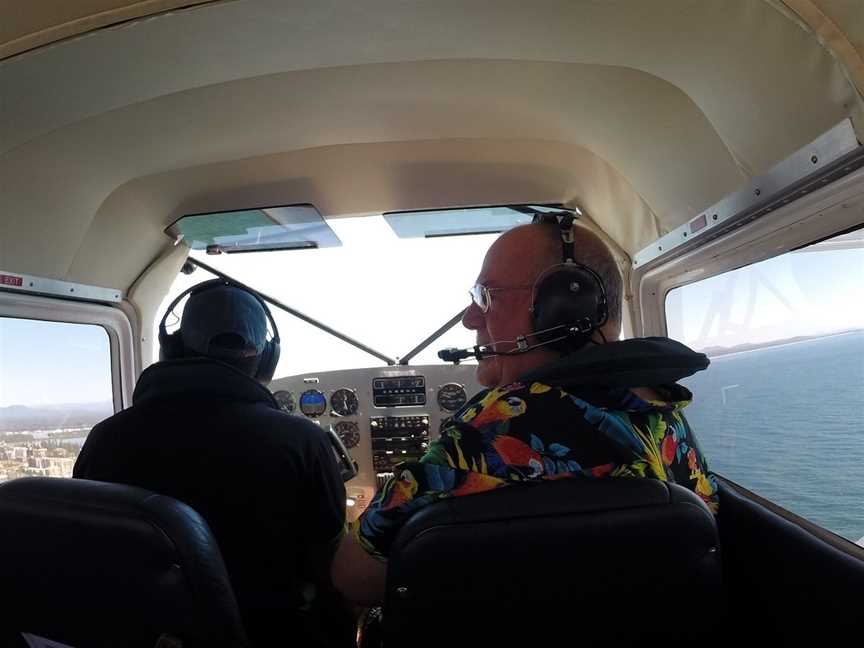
(827, 212)
(831, 210)
(114, 321)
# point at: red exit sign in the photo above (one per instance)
(11, 280)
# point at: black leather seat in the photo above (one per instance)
(605, 562)
(87, 563)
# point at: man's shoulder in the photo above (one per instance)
(115, 421)
(212, 416)
(512, 401)
(199, 379)
(531, 389)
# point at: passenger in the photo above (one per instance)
(204, 429)
(586, 406)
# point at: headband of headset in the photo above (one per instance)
(569, 300)
(172, 346)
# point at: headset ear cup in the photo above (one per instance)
(555, 304)
(171, 346)
(268, 361)
(270, 354)
(602, 311)
(569, 296)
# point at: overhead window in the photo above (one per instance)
(434, 223)
(290, 227)
(780, 409)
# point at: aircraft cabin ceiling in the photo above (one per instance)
(117, 117)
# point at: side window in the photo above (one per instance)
(781, 408)
(55, 385)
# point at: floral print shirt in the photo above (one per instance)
(523, 432)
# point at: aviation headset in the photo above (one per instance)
(171, 345)
(569, 300)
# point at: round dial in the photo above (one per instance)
(349, 432)
(344, 402)
(452, 396)
(313, 403)
(285, 399)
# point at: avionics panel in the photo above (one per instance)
(379, 437)
(396, 439)
(399, 391)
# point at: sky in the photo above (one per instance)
(45, 363)
(391, 293)
(799, 293)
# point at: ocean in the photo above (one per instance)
(787, 422)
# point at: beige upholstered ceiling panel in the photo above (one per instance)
(26, 25)
(682, 99)
(742, 62)
(364, 178)
(643, 126)
(839, 24)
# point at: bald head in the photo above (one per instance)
(510, 271)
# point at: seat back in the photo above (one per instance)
(88, 563)
(789, 582)
(611, 562)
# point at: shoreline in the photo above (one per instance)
(733, 351)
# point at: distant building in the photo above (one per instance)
(60, 467)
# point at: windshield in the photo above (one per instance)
(387, 292)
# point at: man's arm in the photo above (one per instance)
(689, 465)
(359, 569)
(360, 577)
(324, 507)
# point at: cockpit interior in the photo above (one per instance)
(352, 163)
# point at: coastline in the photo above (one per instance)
(715, 352)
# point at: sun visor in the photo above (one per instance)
(466, 221)
(290, 227)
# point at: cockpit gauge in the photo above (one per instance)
(285, 399)
(313, 403)
(349, 432)
(344, 402)
(452, 397)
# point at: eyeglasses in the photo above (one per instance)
(482, 296)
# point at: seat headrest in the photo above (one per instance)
(597, 551)
(91, 562)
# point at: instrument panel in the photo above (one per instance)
(344, 402)
(383, 415)
(451, 397)
(285, 400)
(313, 403)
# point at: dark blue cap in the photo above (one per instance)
(219, 311)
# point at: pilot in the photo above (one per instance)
(203, 428)
(565, 398)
